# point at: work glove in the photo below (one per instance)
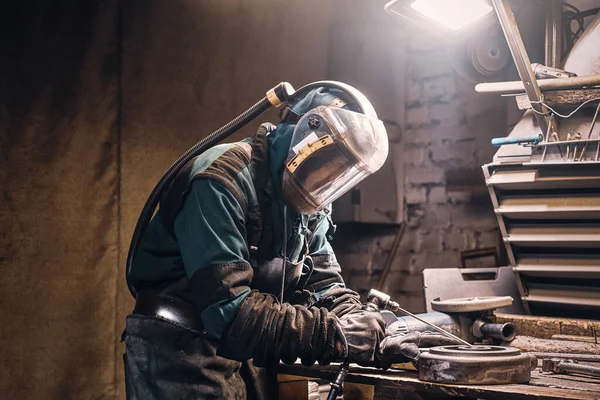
(401, 347)
(268, 331)
(340, 301)
(364, 330)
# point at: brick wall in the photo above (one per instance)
(447, 127)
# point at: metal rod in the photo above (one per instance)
(590, 133)
(554, 33)
(519, 53)
(567, 356)
(437, 328)
(544, 85)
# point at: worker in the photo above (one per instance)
(235, 272)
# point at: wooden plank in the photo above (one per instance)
(564, 98)
(545, 327)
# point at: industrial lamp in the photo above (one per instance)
(447, 19)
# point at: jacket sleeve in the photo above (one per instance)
(326, 280)
(210, 230)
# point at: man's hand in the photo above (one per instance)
(364, 331)
(401, 348)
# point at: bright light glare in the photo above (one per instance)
(454, 15)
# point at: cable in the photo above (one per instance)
(556, 112)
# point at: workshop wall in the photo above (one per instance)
(446, 138)
(58, 199)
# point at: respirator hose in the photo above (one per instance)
(278, 95)
(148, 210)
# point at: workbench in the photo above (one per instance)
(370, 383)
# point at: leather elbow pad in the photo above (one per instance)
(269, 331)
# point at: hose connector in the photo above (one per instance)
(280, 94)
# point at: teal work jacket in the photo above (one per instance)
(218, 233)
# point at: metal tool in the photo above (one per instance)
(476, 365)
(470, 318)
(502, 141)
(559, 366)
(382, 301)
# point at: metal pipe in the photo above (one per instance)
(545, 85)
(553, 33)
(567, 356)
(519, 53)
(505, 332)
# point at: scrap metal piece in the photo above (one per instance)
(476, 365)
(470, 304)
(558, 366)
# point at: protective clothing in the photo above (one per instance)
(363, 330)
(216, 243)
(401, 348)
(332, 150)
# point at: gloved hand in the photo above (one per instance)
(401, 348)
(363, 331)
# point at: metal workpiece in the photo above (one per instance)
(476, 365)
(483, 329)
(559, 366)
(448, 322)
(522, 62)
(471, 304)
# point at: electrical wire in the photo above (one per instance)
(556, 112)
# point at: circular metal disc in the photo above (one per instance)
(484, 364)
(475, 351)
(470, 304)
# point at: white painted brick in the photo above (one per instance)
(467, 217)
(427, 135)
(437, 195)
(402, 284)
(433, 88)
(448, 113)
(414, 92)
(414, 217)
(450, 86)
(440, 88)
(437, 259)
(457, 152)
(488, 238)
(430, 240)
(461, 197)
(423, 43)
(362, 283)
(424, 175)
(417, 116)
(428, 65)
(414, 155)
(415, 195)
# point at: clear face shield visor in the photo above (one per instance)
(332, 150)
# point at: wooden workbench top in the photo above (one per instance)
(393, 383)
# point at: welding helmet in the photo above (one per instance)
(332, 149)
